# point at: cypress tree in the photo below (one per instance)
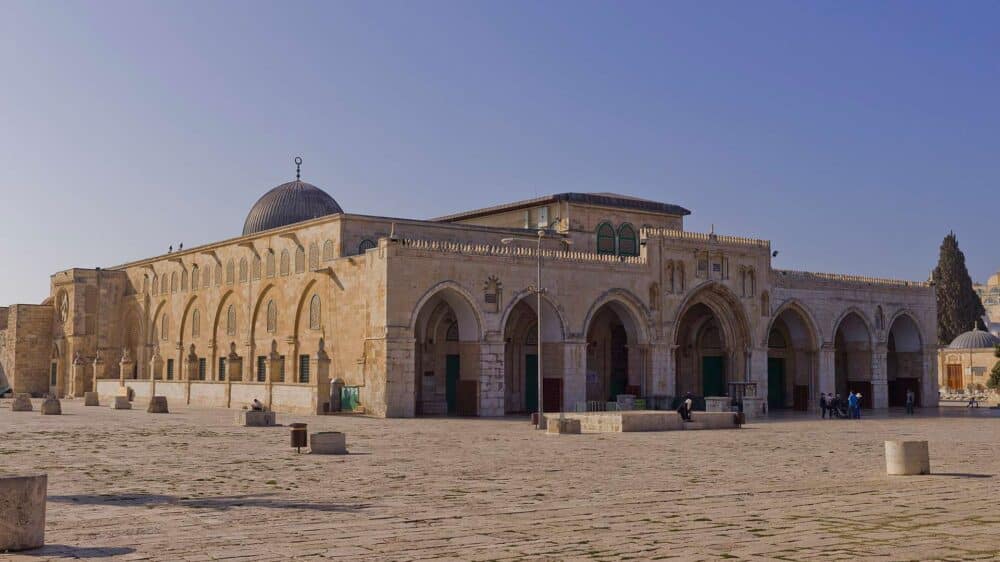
(958, 305)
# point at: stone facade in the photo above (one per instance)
(428, 317)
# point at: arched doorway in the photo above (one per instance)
(446, 367)
(521, 358)
(711, 343)
(853, 358)
(792, 369)
(904, 360)
(615, 359)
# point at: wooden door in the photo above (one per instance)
(955, 377)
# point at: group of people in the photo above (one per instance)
(833, 406)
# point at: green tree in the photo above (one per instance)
(959, 307)
(994, 381)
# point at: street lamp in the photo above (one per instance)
(538, 290)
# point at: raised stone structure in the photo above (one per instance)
(255, 418)
(51, 407)
(903, 458)
(91, 399)
(157, 405)
(21, 403)
(22, 511)
(559, 426)
(328, 443)
(121, 403)
(439, 317)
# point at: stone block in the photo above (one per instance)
(717, 403)
(255, 418)
(753, 407)
(157, 405)
(563, 426)
(714, 420)
(91, 399)
(22, 511)
(328, 443)
(903, 458)
(51, 407)
(21, 403)
(121, 403)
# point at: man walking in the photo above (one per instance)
(911, 400)
(822, 405)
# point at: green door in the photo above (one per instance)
(713, 376)
(775, 383)
(451, 382)
(531, 383)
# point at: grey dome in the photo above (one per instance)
(289, 203)
(974, 339)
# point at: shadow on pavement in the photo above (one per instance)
(66, 551)
(961, 475)
(219, 503)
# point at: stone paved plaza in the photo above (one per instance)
(192, 486)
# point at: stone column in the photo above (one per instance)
(574, 374)
(399, 395)
(292, 372)
(880, 381)
(155, 370)
(124, 367)
(99, 370)
(757, 359)
(321, 366)
(250, 369)
(827, 376)
(491, 378)
(76, 379)
(929, 378)
(660, 369)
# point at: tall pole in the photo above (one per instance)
(538, 326)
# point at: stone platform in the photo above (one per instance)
(646, 420)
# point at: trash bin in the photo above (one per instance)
(300, 438)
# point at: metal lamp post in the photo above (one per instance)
(538, 290)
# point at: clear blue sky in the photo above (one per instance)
(854, 135)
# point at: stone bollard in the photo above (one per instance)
(328, 443)
(563, 426)
(21, 403)
(51, 407)
(255, 418)
(157, 405)
(22, 511)
(121, 403)
(91, 399)
(903, 458)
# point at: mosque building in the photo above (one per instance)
(312, 309)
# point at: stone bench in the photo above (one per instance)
(51, 407)
(21, 403)
(22, 511)
(328, 443)
(905, 458)
(255, 418)
(568, 426)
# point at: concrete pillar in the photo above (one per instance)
(880, 374)
(827, 376)
(574, 374)
(491, 378)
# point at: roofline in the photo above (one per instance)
(572, 197)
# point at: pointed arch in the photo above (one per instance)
(861, 315)
(555, 312)
(470, 318)
(265, 295)
(622, 299)
(313, 256)
(805, 314)
(300, 260)
(328, 250)
(628, 240)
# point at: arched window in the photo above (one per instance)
(230, 272)
(145, 284)
(256, 268)
(328, 250)
(184, 280)
(452, 333)
(879, 318)
(313, 256)
(195, 323)
(270, 263)
(231, 320)
(285, 262)
(156, 285)
(164, 327)
(365, 245)
(195, 279)
(628, 242)
(272, 317)
(218, 275)
(300, 260)
(605, 239)
(243, 270)
(173, 282)
(314, 313)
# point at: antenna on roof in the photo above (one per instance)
(298, 168)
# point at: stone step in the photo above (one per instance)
(693, 425)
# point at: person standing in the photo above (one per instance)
(852, 404)
(911, 400)
(822, 405)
